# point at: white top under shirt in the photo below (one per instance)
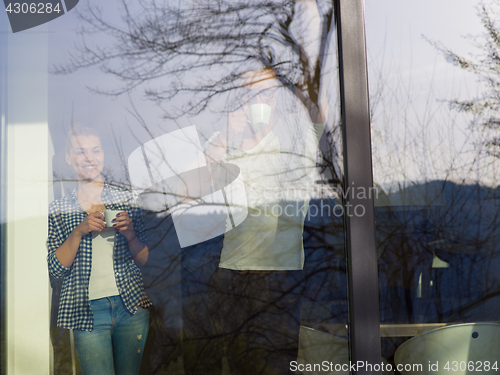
(102, 276)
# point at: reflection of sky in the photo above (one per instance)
(4, 23)
(70, 100)
(414, 78)
(415, 135)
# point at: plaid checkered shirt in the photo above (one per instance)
(64, 216)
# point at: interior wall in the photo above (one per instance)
(28, 196)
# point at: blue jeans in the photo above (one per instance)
(115, 345)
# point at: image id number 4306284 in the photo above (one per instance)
(471, 366)
(32, 8)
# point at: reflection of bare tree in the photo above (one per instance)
(186, 57)
(485, 66)
(182, 43)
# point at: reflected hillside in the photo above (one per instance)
(438, 263)
(438, 253)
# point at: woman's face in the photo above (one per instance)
(86, 157)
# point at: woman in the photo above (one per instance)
(102, 297)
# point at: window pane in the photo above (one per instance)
(215, 127)
(435, 163)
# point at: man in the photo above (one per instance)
(274, 145)
(247, 309)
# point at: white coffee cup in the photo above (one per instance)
(260, 113)
(109, 215)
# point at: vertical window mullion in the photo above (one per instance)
(364, 322)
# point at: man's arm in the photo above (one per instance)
(309, 90)
(217, 145)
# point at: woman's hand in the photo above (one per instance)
(93, 222)
(123, 224)
(66, 253)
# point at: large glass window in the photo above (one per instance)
(219, 122)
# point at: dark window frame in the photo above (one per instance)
(364, 319)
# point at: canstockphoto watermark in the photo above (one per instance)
(327, 366)
(318, 208)
(323, 191)
(176, 164)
